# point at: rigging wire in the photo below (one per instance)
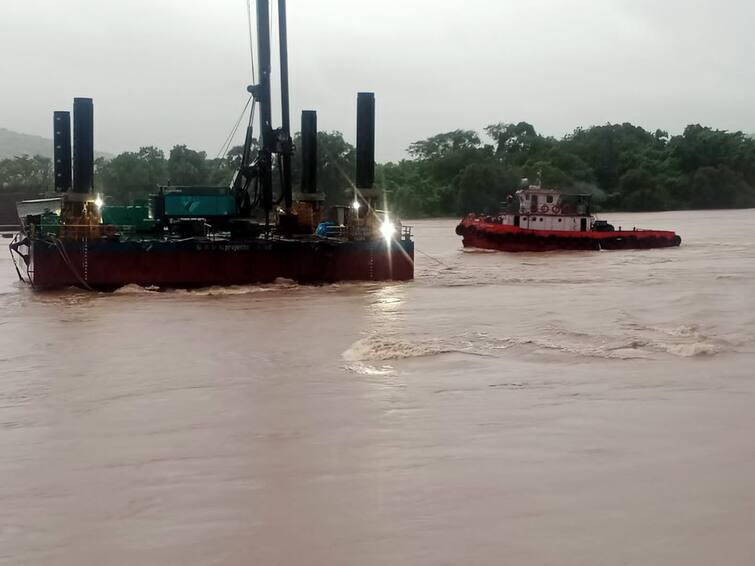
(435, 259)
(228, 140)
(58, 244)
(13, 257)
(250, 127)
(227, 144)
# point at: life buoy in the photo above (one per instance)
(556, 209)
(544, 209)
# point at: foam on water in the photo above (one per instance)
(135, 290)
(692, 350)
(379, 349)
(233, 290)
(685, 341)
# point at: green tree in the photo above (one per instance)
(26, 173)
(640, 191)
(483, 187)
(518, 140)
(132, 175)
(720, 187)
(188, 167)
(441, 145)
(336, 166)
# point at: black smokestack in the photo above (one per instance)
(83, 145)
(365, 140)
(309, 152)
(62, 150)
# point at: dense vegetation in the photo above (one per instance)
(624, 166)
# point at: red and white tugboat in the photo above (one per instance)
(540, 220)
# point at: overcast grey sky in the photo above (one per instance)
(174, 71)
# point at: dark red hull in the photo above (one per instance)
(107, 265)
(507, 238)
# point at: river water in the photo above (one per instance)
(574, 408)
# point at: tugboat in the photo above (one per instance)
(248, 232)
(540, 220)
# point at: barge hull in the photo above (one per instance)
(108, 265)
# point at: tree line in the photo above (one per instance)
(134, 175)
(623, 166)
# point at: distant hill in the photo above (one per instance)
(14, 143)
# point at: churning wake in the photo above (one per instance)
(684, 341)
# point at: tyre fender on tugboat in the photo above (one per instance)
(460, 229)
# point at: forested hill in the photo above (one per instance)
(14, 143)
(624, 166)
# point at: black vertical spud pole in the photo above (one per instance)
(267, 141)
(365, 140)
(285, 106)
(62, 150)
(309, 152)
(83, 145)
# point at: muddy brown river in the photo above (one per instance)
(582, 408)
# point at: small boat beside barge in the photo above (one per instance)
(541, 220)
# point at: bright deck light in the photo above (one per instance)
(387, 229)
(98, 202)
(356, 205)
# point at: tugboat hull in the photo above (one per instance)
(195, 263)
(506, 238)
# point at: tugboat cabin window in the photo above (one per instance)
(550, 199)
